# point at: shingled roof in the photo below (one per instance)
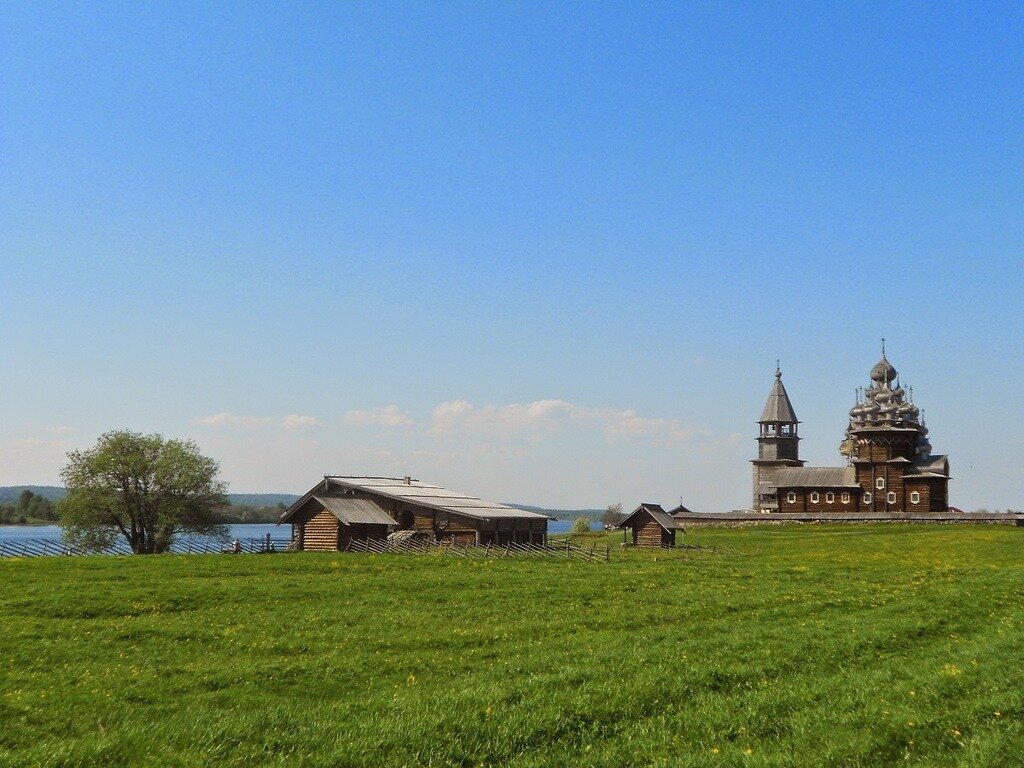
(659, 515)
(778, 407)
(816, 477)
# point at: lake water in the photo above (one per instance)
(52, 532)
(241, 531)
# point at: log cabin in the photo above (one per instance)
(339, 509)
(651, 526)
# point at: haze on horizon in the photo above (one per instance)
(546, 255)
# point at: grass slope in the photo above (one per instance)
(795, 646)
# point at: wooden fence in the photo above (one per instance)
(566, 550)
(184, 546)
(188, 546)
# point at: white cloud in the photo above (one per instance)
(389, 417)
(225, 419)
(545, 416)
(294, 422)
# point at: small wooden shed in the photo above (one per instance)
(651, 526)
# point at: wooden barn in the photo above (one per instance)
(651, 526)
(339, 509)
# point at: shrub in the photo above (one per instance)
(580, 525)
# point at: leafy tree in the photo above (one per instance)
(142, 487)
(613, 515)
(580, 525)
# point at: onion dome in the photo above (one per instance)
(924, 446)
(908, 411)
(871, 410)
(883, 372)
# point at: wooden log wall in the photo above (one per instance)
(647, 533)
(320, 532)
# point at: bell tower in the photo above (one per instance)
(778, 445)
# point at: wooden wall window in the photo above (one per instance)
(915, 497)
(880, 483)
(830, 498)
(845, 498)
(867, 497)
(891, 497)
(791, 497)
(814, 497)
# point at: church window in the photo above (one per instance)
(915, 497)
(791, 497)
(845, 498)
(771, 429)
(814, 498)
(830, 498)
(785, 429)
(867, 497)
(891, 497)
(880, 483)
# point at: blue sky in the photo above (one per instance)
(543, 253)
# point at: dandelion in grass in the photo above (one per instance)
(748, 751)
(410, 680)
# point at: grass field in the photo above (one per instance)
(794, 646)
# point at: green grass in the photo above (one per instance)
(790, 646)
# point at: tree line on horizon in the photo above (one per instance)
(28, 508)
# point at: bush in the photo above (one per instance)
(580, 525)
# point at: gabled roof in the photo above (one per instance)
(659, 515)
(413, 492)
(680, 510)
(816, 477)
(778, 407)
(351, 510)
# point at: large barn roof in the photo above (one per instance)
(416, 492)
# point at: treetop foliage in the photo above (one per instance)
(145, 488)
